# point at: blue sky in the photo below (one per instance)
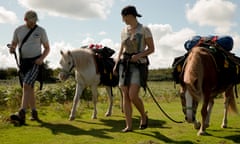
(74, 23)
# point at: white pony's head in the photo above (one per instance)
(80, 59)
(67, 64)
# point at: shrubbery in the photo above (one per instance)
(57, 92)
(11, 93)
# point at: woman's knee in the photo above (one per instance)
(26, 86)
(124, 90)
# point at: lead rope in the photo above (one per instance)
(154, 99)
(236, 93)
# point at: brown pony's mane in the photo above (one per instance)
(200, 72)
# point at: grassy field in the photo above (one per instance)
(55, 128)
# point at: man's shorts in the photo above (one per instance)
(31, 76)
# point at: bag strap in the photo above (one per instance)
(25, 39)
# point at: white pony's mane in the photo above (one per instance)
(83, 57)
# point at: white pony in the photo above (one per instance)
(86, 74)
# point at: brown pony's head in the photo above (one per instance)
(192, 82)
(189, 106)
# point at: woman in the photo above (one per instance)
(136, 45)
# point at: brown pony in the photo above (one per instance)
(200, 82)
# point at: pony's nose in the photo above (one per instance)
(62, 76)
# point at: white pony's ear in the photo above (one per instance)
(69, 52)
(61, 52)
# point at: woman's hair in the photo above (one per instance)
(130, 10)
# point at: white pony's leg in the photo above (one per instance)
(209, 110)
(94, 99)
(110, 99)
(78, 92)
(224, 121)
(189, 106)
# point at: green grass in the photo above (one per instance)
(56, 129)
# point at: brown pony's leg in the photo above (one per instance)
(204, 113)
(225, 111)
(229, 104)
(209, 110)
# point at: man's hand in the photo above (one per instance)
(11, 48)
(39, 61)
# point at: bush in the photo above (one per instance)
(10, 97)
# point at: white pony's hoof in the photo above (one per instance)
(71, 118)
(223, 126)
(107, 114)
(201, 133)
(94, 117)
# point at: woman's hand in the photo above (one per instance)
(134, 58)
(115, 72)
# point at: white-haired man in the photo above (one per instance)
(31, 58)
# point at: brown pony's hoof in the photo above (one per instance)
(197, 125)
(94, 117)
(207, 126)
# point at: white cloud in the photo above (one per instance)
(7, 59)
(109, 43)
(54, 55)
(168, 44)
(7, 16)
(77, 9)
(102, 33)
(236, 45)
(87, 41)
(216, 13)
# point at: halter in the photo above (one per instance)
(188, 108)
(192, 107)
(73, 65)
(68, 72)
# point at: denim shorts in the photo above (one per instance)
(133, 75)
